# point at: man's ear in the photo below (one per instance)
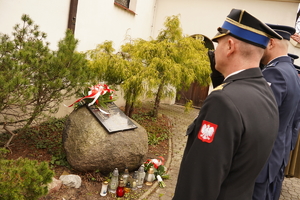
(230, 46)
(271, 43)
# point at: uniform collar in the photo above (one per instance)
(247, 73)
(234, 73)
(284, 58)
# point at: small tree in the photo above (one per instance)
(153, 67)
(119, 69)
(36, 80)
(172, 60)
(107, 65)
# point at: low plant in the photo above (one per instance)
(24, 179)
(153, 139)
(3, 152)
(47, 135)
(156, 132)
(60, 160)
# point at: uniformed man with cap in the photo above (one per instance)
(280, 73)
(291, 169)
(233, 135)
(294, 57)
(297, 68)
(296, 124)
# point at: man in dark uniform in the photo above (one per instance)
(296, 123)
(293, 56)
(298, 69)
(233, 135)
(280, 73)
(291, 169)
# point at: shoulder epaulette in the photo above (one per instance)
(220, 87)
(273, 64)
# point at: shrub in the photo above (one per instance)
(23, 179)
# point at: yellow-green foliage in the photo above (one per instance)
(188, 106)
(108, 66)
(23, 179)
(152, 66)
(170, 60)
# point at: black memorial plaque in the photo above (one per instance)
(114, 121)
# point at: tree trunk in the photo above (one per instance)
(37, 111)
(10, 139)
(131, 110)
(157, 100)
(127, 108)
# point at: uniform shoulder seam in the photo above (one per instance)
(220, 87)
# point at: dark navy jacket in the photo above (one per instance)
(230, 141)
(285, 83)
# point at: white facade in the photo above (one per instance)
(51, 16)
(101, 20)
(98, 21)
(204, 17)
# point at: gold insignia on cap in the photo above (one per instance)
(241, 16)
(247, 27)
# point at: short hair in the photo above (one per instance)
(249, 51)
(283, 44)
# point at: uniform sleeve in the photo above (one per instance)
(278, 84)
(205, 165)
(296, 127)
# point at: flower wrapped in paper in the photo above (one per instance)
(156, 162)
(160, 171)
(99, 94)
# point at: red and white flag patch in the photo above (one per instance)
(207, 131)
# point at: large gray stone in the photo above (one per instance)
(90, 147)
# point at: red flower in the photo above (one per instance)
(156, 162)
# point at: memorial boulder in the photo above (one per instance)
(89, 146)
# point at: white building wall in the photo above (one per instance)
(204, 17)
(98, 21)
(51, 16)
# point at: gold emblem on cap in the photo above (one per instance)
(241, 16)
